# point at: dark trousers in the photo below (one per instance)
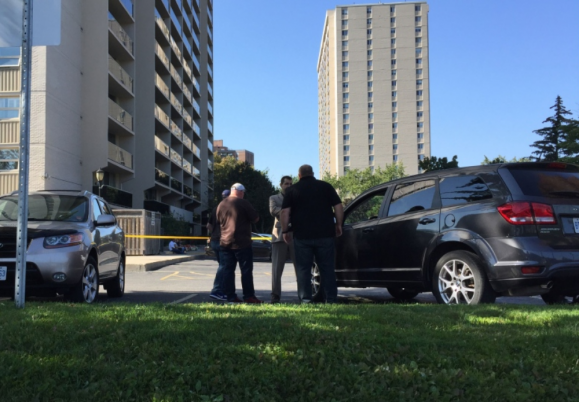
(229, 259)
(219, 274)
(324, 252)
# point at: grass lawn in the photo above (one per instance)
(210, 352)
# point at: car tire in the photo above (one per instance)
(557, 298)
(403, 294)
(87, 289)
(116, 287)
(459, 278)
(318, 294)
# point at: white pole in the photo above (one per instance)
(22, 233)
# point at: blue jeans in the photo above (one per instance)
(229, 259)
(324, 252)
(179, 250)
(219, 274)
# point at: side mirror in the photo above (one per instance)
(105, 220)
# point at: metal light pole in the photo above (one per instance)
(100, 175)
(22, 231)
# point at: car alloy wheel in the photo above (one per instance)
(460, 279)
(87, 289)
(116, 288)
(316, 282)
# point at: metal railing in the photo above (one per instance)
(176, 157)
(120, 74)
(209, 107)
(210, 70)
(120, 115)
(162, 177)
(188, 191)
(196, 151)
(162, 116)
(176, 48)
(187, 93)
(196, 173)
(196, 129)
(210, 52)
(121, 35)
(210, 165)
(209, 145)
(119, 155)
(176, 76)
(176, 185)
(209, 89)
(196, 85)
(161, 85)
(176, 130)
(162, 55)
(187, 69)
(186, 166)
(187, 118)
(187, 142)
(175, 102)
(161, 146)
(163, 27)
(210, 127)
(196, 107)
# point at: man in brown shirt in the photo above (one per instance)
(235, 216)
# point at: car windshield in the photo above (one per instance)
(547, 183)
(46, 207)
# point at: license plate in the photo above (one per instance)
(576, 224)
(3, 271)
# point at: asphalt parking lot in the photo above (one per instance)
(192, 281)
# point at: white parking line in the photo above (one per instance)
(183, 299)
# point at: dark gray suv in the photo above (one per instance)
(468, 235)
(74, 245)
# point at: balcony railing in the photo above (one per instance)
(176, 185)
(196, 107)
(210, 165)
(162, 177)
(120, 115)
(186, 166)
(162, 116)
(195, 39)
(186, 92)
(176, 49)
(196, 173)
(163, 27)
(209, 107)
(175, 102)
(176, 76)
(187, 118)
(161, 146)
(196, 85)
(210, 89)
(210, 71)
(187, 69)
(162, 55)
(209, 16)
(195, 61)
(161, 85)
(210, 127)
(115, 196)
(120, 156)
(197, 195)
(196, 129)
(210, 146)
(196, 19)
(176, 157)
(120, 74)
(187, 142)
(196, 151)
(209, 34)
(210, 52)
(121, 35)
(188, 191)
(176, 130)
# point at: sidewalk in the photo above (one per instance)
(142, 263)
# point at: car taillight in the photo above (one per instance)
(525, 213)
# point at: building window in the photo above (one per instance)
(345, 55)
(369, 32)
(370, 73)
(420, 136)
(346, 138)
(368, 10)
(346, 148)
(394, 116)
(420, 147)
(418, 51)
(345, 85)
(369, 22)
(420, 157)
(370, 105)
(395, 158)
(419, 103)
(346, 127)
(344, 23)
(370, 94)
(345, 96)
(344, 11)
(418, 30)
(371, 126)
(369, 53)
(346, 159)
(392, 20)
(370, 148)
(344, 44)
(394, 125)
(369, 42)
(345, 75)
(9, 158)
(419, 82)
(418, 41)
(419, 71)
(346, 117)
(9, 56)
(370, 137)
(393, 31)
(394, 94)
(418, 61)
(370, 116)
(394, 84)
(394, 137)
(419, 125)
(393, 73)
(419, 92)
(346, 106)
(395, 147)
(370, 84)
(392, 9)
(417, 8)
(370, 63)
(346, 169)
(394, 105)
(345, 32)
(393, 62)
(418, 19)
(393, 52)
(344, 64)
(9, 108)
(371, 158)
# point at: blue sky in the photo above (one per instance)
(496, 66)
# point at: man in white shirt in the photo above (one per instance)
(174, 247)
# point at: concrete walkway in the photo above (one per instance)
(152, 262)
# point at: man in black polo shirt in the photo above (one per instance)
(317, 214)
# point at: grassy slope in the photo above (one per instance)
(55, 351)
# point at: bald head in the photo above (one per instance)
(305, 170)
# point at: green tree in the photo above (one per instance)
(434, 163)
(356, 181)
(258, 187)
(571, 143)
(503, 159)
(554, 144)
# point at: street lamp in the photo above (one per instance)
(100, 175)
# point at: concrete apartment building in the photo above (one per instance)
(128, 91)
(241, 155)
(373, 87)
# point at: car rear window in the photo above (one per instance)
(462, 190)
(547, 183)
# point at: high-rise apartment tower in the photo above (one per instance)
(373, 87)
(128, 91)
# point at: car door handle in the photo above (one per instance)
(368, 230)
(426, 221)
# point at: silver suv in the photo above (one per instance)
(74, 245)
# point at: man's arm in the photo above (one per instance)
(339, 213)
(284, 217)
(274, 208)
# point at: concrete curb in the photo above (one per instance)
(152, 263)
